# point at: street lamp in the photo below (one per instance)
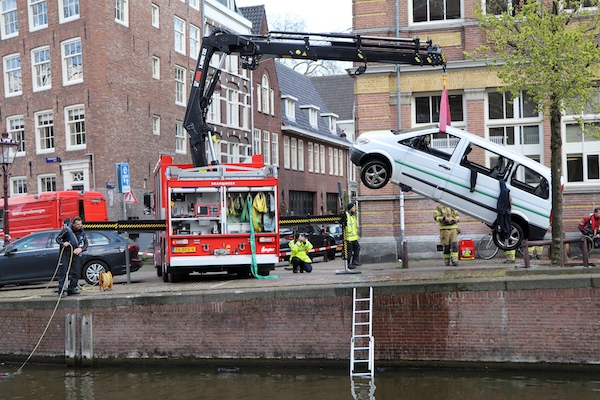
(8, 151)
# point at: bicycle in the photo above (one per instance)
(487, 249)
(593, 245)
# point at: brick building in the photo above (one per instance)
(476, 105)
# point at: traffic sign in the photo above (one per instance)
(130, 198)
(123, 180)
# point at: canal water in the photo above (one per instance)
(144, 383)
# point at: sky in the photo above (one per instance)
(320, 16)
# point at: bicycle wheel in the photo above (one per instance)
(486, 248)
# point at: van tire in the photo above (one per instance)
(515, 239)
(375, 174)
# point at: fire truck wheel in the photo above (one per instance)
(243, 272)
(164, 274)
(173, 277)
(158, 270)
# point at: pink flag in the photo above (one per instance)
(445, 118)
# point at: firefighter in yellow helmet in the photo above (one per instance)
(448, 218)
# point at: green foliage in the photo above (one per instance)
(547, 50)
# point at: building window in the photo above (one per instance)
(272, 101)
(266, 150)
(194, 41)
(427, 109)
(180, 147)
(122, 12)
(300, 155)
(301, 202)
(47, 183)
(179, 27)
(264, 95)
(311, 113)
(331, 160)
(156, 67)
(38, 14)
(44, 132)
(16, 130)
(310, 157)
(258, 98)
(180, 86)
(18, 186)
(214, 109)
(341, 162)
(13, 84)
(68, 10)
(294, 153)
(514, 121)
(75, 127)
(289, 105)
(316, 158)
(72, 62)
(9, 21)
(245, 109)
(233, 108)
(40, 66)
(435, 10)
(286, 152)
(256, 141)
(156, 125)
(195, 4)
(275, 148)
(155, 16)
(495, 7)
(322, 155)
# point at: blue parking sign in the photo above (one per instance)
(125, 184)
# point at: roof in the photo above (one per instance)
(255, 15)
(337, 91)
(292, 83)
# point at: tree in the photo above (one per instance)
(548, 49)
(293, 23)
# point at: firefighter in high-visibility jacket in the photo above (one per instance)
(448, 218)
(300, 261)
(352, 237)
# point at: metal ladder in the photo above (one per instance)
(362, 344)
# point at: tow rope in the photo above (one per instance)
(253, 264)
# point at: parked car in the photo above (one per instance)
(34, 257)
(317, 237)
(461, 170)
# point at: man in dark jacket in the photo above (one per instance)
(74, 242)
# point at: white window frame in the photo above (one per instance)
(233, 108)
(341, 162)
(155, 67)
(122, 12)
(11, 28)
(272, 101)
(310, 157)
(18, 182)
(40, 70)
(66, 6)
(156, 125)
(13, 75)
(194, 41)
(245, 110)
(195, 4)
(38, 14)
(155, 15)
(266, 150)
(44, 132)
(286, 152)
(275, 148)
(330, 154)
(322, 155)
(180, 142)
(15, 126)
(75, 127)
(300, 155)
(258, 97)
(264, 95)
(294, 153)
(179, 35)
(180, 85)
(256, 141)
(69, 61)
(436, 22)
(44, 180)
(336, 156)
(214, 109)
(289, 102)
(317, 162)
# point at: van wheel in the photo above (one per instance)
(375, 174)
(92, 271)
(514, 240)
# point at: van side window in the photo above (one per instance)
(476, 158)
(530, 181)
(439, 145)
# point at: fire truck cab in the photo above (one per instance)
(218, 218)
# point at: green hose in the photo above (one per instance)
(253, 264)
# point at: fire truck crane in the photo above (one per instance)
(226, 217)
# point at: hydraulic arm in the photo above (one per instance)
(304, 46)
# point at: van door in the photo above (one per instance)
(427, 164)
(473, 187)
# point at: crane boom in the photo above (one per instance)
(295, 45)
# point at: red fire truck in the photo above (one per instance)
(218, 218)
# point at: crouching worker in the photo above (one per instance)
(447, 218)
(299, 259)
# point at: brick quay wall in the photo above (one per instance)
(537, 322)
